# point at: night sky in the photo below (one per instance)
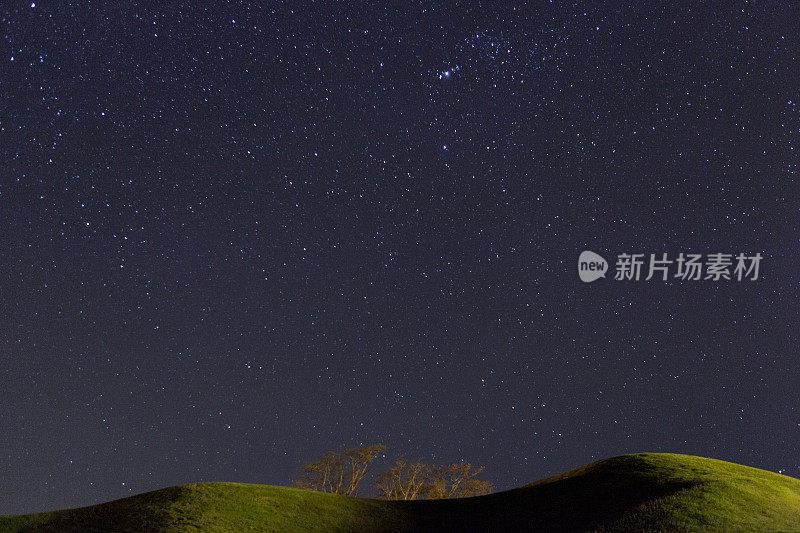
(238, 236)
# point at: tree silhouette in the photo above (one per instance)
(338, 472)
(403, 481)
(360, 458)
(411, 481)
(457, 480)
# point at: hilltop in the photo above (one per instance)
(627, 493)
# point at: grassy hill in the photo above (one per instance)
(627, 493)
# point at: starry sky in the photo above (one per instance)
(238, 236)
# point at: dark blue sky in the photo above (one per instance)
(240, 236)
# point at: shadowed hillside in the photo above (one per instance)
(630, 492)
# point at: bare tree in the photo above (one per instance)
(411, 481)
(326, 475)
(473, 487)
(360, 458)
(404, 481)
(457, 481)
(338, 472)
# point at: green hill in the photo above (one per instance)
(627, 493)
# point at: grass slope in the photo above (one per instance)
(628, 493)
